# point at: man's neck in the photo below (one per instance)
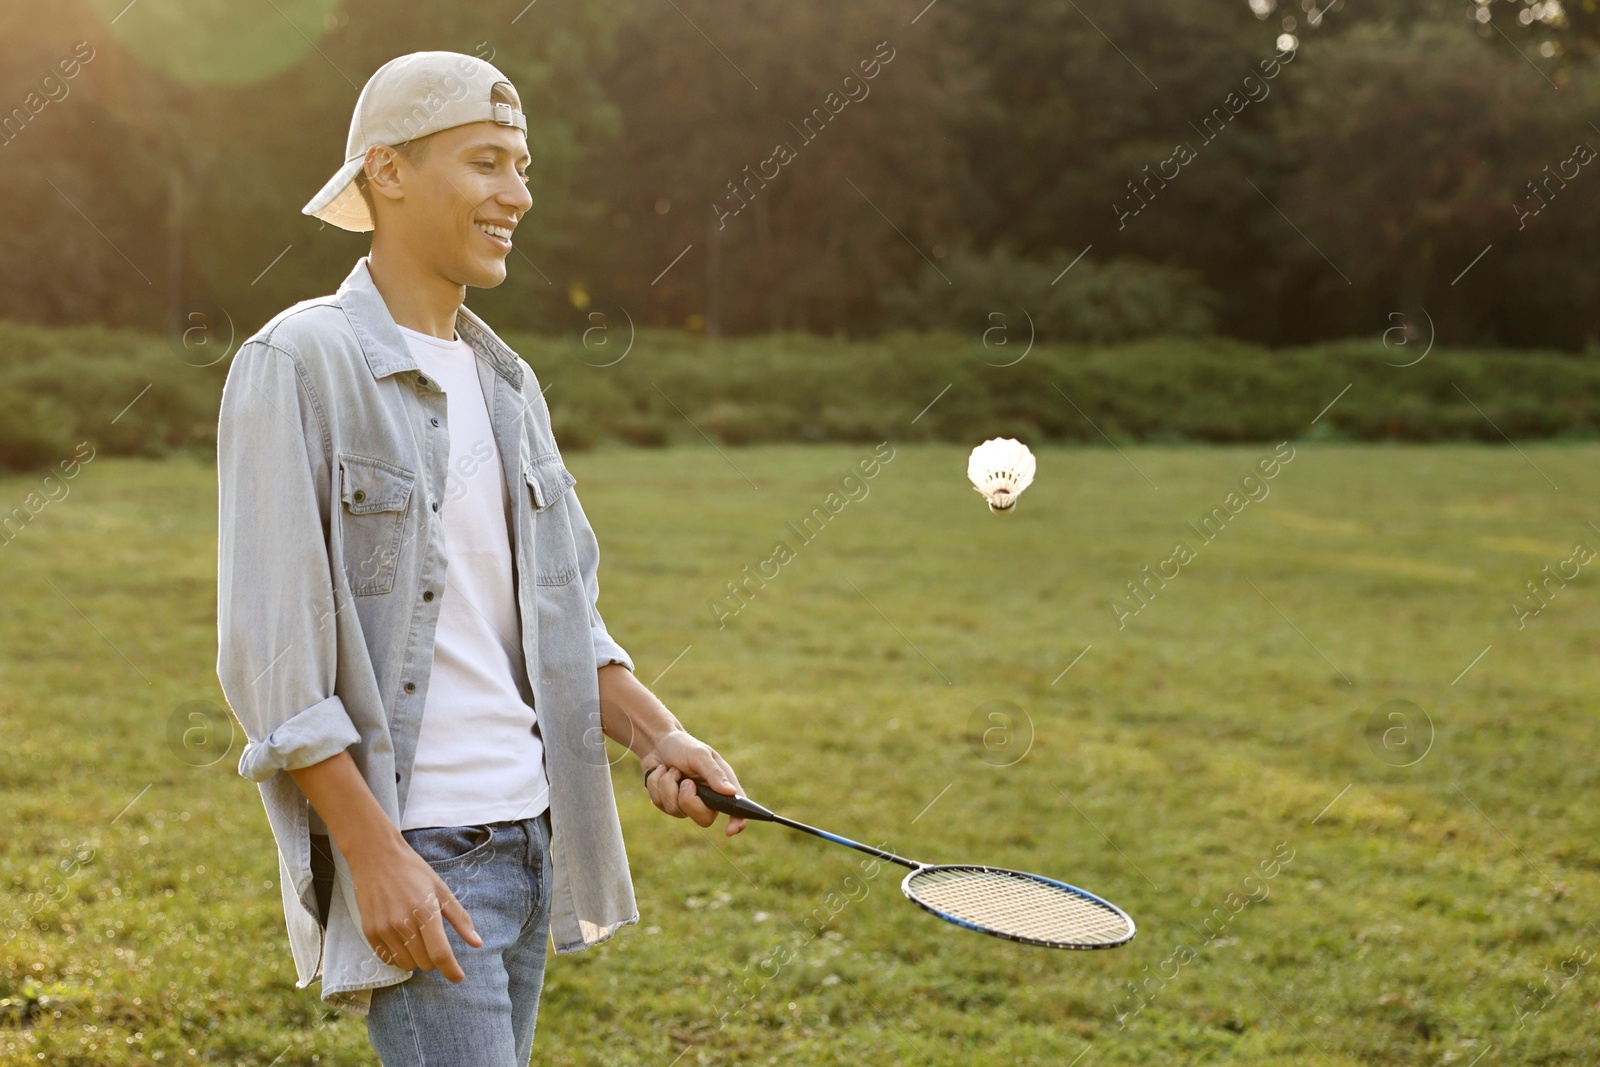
(418, 298)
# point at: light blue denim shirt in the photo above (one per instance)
(332, 457)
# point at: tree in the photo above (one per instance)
(1411, 150)
(761, 142)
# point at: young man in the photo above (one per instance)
(407, 619)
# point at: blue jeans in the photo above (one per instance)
(501, 874)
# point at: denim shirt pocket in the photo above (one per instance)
(371, 521)
(548, 481)
(548, 478)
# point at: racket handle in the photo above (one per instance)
(732, 805)
(728, 805)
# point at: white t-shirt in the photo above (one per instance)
(479, 755)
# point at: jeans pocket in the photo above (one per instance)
(449, 847)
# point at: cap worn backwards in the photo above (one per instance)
(409, 97)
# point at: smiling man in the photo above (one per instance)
(408, 627)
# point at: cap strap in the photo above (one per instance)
(506, 115)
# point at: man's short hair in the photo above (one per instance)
(416, 149)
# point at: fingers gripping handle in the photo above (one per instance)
(729, 805)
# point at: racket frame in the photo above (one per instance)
(905, 887)
(742, 806)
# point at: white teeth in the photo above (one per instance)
(495, 231)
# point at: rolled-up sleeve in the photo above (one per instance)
(606, 649)
(277, 644)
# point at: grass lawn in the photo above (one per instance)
(1316, 881)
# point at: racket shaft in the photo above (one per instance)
(749, 809)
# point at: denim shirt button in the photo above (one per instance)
(434, 421)
(411, 687)
(435, 505)
(426, 596)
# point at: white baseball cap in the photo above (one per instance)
(406, 98)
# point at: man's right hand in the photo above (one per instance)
(403, 904)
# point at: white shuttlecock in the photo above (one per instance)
(1001, 469)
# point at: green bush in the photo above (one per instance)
(125, 392)
(1092, 303)
(70, 385)
(797, 387)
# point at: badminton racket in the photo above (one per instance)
(1014, 905)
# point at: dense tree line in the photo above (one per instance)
(1280, 171)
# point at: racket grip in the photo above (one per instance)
(728, 805)
(731, 805)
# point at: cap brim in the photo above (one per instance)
(339, 202)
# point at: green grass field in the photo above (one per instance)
(1425, 914)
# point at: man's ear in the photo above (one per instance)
(382, 168)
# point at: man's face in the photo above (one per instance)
(462, 200)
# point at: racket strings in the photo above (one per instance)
(1017, 905)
